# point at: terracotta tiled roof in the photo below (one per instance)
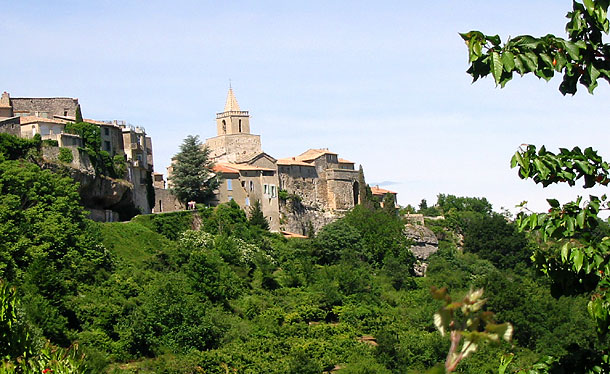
(243, 167)
(224, 169)
(312, 154)
(290, 235)
(380, 191)
(292, 161)
(33, 119)
(344, 161)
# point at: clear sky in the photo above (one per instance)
(381, 83)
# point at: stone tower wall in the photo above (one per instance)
(234, 148)
(229, 124)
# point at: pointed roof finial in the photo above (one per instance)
(231, 104)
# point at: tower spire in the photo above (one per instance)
(231, 104)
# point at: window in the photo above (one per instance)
(106, 131)
(243, 184)
(251, 186)
(247, 201)
(106, 146)
(65, 112)
(266, 189)
(229, 185)
(224, 126)
(273, 191)
(230, 198)
(239, 125)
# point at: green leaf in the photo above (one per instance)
(547, 60)
(577, 258)
(590, 6)
(508, 60)
(565, 251)
(580, 219)
(494, 39)
(496, 66)
(519, 65)
(553, 202)
(572, 49)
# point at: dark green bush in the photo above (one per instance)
(65, 155)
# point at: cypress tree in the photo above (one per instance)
(257, 218)
(366, 195)
(78, 115)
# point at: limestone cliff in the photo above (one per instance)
(105, 198)
(425, 244)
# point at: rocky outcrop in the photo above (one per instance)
(300, 219)
(425, 244)
(105, 198)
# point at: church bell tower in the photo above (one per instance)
(233, 120)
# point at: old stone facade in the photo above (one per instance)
(297, 194)
(27, 117)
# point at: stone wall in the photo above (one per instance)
(234, 148)
(11, 126)
(51, 106)
(166, 202)
(80, 159)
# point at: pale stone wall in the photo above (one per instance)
(137, 176)
(80, 159)
(11, 127)
(6, 112)
(247, 187)
(112, 139)
(234, 148)
(233, 123)
(166, 202)
(47, 106)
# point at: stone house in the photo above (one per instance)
(48, 116)
(245, 184)
(325, 185)
(379, 194)
(49, 129)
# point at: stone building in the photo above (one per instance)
(321, 186)
(27, 117)
(380, 193)
(296, 193)
(44, 107)
(233, 142)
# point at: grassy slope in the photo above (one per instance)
(132, 242)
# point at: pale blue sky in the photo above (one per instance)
(381, 83)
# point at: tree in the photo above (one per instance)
(257, 218)
(78, 115)
(572, 255)
(192, 179)
(582, 58)
(389, 204)
(366, 195)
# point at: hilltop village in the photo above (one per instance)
(297, 194)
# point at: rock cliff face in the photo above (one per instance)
(299, 218)
(425, 244)
(105, 198)
(101, 194)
